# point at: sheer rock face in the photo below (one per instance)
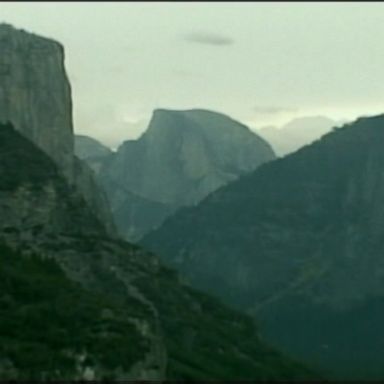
(180, 159)
(298, 243)
(35, 95)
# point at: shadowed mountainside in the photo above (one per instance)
(299, 244)
(296, 133)
(109, 310)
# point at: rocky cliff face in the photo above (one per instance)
(35, 95)
(125, 317)
(299, 244)
(180, 159)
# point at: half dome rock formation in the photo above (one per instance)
(181, 158)
(35, 96)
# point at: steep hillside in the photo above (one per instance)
(52, 328)
(35, 95)
(115, 312)
(299, 243)
(87, 147)
(180, 159)
(132, 213)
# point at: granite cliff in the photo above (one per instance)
(35, 95)
(181, 158)
(298, 243)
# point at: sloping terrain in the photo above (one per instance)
(298, 243)
(113, 297)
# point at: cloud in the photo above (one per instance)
(208, 38)
(273, 110)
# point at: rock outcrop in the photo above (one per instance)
(181, 158)
(299, 244)
(35, 95)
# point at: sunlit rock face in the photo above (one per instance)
(179, 160)
(35, 96)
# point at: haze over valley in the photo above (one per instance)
(191, 191)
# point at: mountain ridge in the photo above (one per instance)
(303, 228)
(179, 159)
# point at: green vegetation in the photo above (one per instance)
(309, 225)
(208, 341)
(56, 329)
(47, 322)
(15, 150)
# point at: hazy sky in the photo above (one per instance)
(261, 63)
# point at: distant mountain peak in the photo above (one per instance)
(182, 157)
(88, 147)
(296, 133)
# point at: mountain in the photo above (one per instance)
(35, 95)
(78, 304)
(132, 213)
(296, 133)
(91, 151)
(298, 243)
(86, 147)
(181, 158)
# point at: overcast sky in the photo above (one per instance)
(261, 63)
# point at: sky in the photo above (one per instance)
(262, 63)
